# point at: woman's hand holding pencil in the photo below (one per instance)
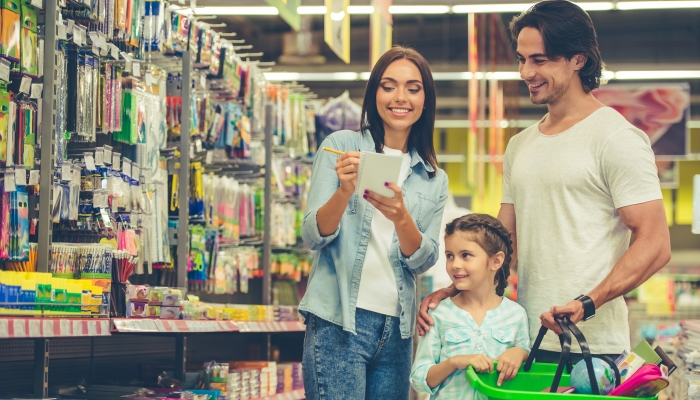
(346, 167)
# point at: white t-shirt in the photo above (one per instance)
(378, 292)
(566, 189)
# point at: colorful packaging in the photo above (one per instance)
(4, 121)
(10, 31)
(29, 64)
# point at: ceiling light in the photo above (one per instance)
(311, 76)
(503, 75)
(338, 16)
(365, 76)
(282, 76)
(597, 6)
(451, 76)
(360, 9)
(419, 9)
(656, 5)
(236, 11)
(311, 10)
(490, 8)
(634, 75)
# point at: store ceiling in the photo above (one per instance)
(655, 40)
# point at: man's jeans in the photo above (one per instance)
(374, 364)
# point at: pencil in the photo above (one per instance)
(333, 151)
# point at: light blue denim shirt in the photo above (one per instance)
(335, 276)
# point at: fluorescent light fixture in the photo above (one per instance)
(451, 76)
(503, 75)
(311, 10)
(356, 10)
(642, 75)
(597, 6)
(607, 75)
(282, 76)
(337, 16)
(490, 8)
(365, 76)
(656, 5)
(311, 76)
(419, 9)
(236, 11)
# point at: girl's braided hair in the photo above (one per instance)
(492, 236)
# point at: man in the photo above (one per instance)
(577, 186)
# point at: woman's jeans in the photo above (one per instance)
(374, 364)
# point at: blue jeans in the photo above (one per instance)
(374, 364)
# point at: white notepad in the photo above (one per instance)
(376, 169)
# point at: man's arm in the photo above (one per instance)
(650, 252)
(507, 217)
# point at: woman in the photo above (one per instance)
(360, 302)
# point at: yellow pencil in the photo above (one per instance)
(333, 151)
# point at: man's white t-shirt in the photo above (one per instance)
(378, 291)
(566, 189)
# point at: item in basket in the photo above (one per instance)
(629, 365)
(169, 312)
(604, 374)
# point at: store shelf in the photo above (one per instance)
(272, 327)
(293, 395)
(21, 327)
(125, 325)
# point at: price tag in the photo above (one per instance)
(20, 176)
(198, 145)
(37, 89)
(66, 172)
(38, 4)
(4, 328)
(26, 85)
(70, 25)
(76, 173)
(160, 326)
(148, 78)
(18, 324)
(191, 150)
(137, 69)
(115, 51)
(5, 70)
(34, 177)
(209, 158)
(116, 161)
(62, 35)
(34, 328)
(77, 328)
(48, 328)
(89, 161)
(126, 170)
(104, 327)
(10, 182)
(115, 204)
(65, 328)
(99, 156)
(203, 81)
(108, 154)
(136, 171)
(92, 328)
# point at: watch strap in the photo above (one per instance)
(588, 307)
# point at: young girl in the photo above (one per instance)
(478, 326)
(360, 303)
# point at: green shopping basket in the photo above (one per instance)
(533, 378)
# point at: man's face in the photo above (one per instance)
(548, 80)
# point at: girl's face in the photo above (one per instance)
(400, 96)
(468, 264)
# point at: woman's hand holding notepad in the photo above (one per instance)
(346, 166)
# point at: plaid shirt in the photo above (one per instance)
(456, 333)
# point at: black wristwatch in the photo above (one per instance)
(588, 307)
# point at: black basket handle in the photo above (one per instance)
(568, 328)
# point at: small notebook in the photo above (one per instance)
(374, 170)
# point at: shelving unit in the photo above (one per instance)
(54, 340)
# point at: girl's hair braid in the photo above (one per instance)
(492, 236)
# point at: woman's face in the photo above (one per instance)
(400, 96)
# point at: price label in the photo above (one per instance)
(34, 177)
(89, 161)
(70, 25)
(62, 35)
(48, 328)
(127, 167)
(135, 171)
(116, 161)
(92, 328)
(20, 176)
(160, 326)
(5, 70)
(26, 85)
(115, 51)
(137, 69)
(19, 328)
(198, 145)
(67, 172)
(38, 4)
(203, 81)
(148, 78)
(209, 158)
(99, 156)
(10, 182)
(65, 328)
(34, 328)
(77, 328)
(4, 328)
(107, 154)
(37, 89)
(76, 173)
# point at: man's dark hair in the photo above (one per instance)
(567, 30)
